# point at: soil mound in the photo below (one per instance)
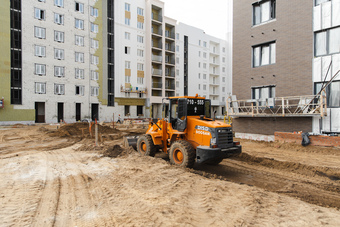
(81, 129)
(116, 151)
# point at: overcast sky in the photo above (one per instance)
(211, 16)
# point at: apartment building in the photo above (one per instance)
(276, 52)
(71, 60)
(202, 67)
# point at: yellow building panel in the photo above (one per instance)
(140, 73)
(140, 18)
(127, 72)
(130, 101)
(127, 14)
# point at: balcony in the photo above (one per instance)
(156, 44)
(170, 35)
(157, 85)
(157, 58)
(170, 74)
(169, 47)
(170, 87)
(156, 31)
(169, 60)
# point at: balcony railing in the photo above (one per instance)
(170, 35)
(157, 58)
(169, 61)
(157, 72)
(157, 85)
(169, 47)
(170, 74)
(157, 31)
(157, 44)
(157, 17)
(170, 86)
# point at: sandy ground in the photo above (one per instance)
(52, 177)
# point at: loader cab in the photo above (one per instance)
(180, 108)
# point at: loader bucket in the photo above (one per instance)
(130, 141)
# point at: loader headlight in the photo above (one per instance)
(213, 142)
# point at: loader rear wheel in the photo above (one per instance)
(145, 146)
(182, 154)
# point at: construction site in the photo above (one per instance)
(58, 175)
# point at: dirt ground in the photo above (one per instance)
(56, 176)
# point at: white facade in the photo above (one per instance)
(209, 74)
(326, 22)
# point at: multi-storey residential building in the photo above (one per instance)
(274, 50)
(202, 67)
(97, 59)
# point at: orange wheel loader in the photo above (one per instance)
(188, 134)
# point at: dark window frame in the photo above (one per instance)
(272, 11)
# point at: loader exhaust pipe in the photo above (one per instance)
(214, 115)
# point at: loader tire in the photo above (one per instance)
(182, 154)
(145, 146)
(214, 162)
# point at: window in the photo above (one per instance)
(177, 72)
(327, 42)
(127, 7)
(127, 21)
(94, 43)
(40, 88)
(59, 89)
(127, 35)
(204, 65)
(140, 67)
(40, 32)
(40, 69)
(79, 24)
(140, 25)
(127, 50)
(79, 7)
(199, 64)
(204, 44)
(140, 11)
(59, 36)
(199, 87)
(127, 65)
(79, 40)
(140, 53)
(59, 71)
(39, 14)
(204, 55)
(223, 59)
(40, 51)
(94, 91)
(264, 11)
(79, 73)
(94, 11)
(204, 76)
(139, 110)
(223, 89)
(94, 28)
(223, 49)
(204, 87)
(199, 42)
(223, 79)
(140, 80)
(58, 54)
(94, 75)
(264, 54)
(177, 83)
(58, 18)
(318, 2)
(140, 39)
(223, 69)
(127, 79)
(199, 76)
(59, 3)
(177, 48)
(177, 35)
(94, 60)
(79, 57)
(80, 90)
(332, 92)
(263, 92)
(177, 60)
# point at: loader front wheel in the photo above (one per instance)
(182, 154)
(145, 146)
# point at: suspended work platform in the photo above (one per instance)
(293, 106)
